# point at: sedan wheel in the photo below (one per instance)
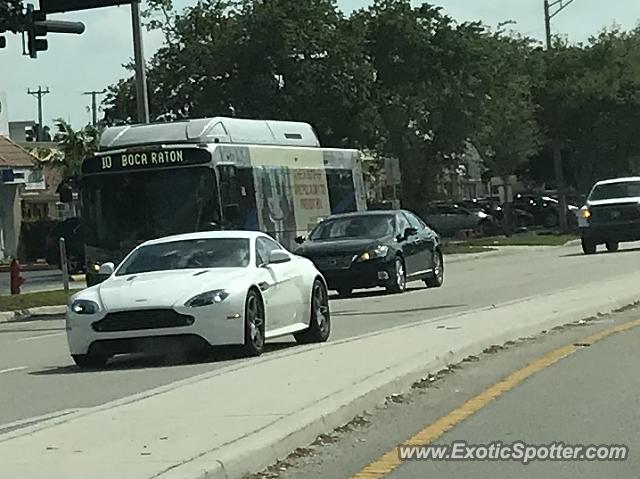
(320, 319)
(438, 271)
(612, 246)
(399, 279)
(253, 325)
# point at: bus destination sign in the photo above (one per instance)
(145, 159)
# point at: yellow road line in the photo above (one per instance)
(384, 465)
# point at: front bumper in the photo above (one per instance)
(362, 274)
(219, 324)
(611, 232)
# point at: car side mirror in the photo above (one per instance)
(106, 269)
(410, 232)
(299, 239)
(278, 256)
(66, 194)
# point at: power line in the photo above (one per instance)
(94, 105)
(39, 93)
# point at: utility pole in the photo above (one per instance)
(142, 97)
(39, 93)
(549, 13)
(94, 104)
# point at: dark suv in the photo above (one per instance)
(611, 215)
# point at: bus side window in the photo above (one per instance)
(341, 191)
(237, 194)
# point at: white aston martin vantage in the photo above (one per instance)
(205, 289)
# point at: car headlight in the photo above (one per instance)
(482, 215)
(378, 252)
(208, 298)
(585, 213)
(84, 306)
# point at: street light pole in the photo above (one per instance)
(557, 151)
(547, 23)
(142, 98)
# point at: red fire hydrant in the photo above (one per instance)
(16, 279)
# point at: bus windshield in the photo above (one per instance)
(122, 209)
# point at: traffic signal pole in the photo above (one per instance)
(60, 6)
(142, 97)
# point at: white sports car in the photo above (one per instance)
(207, 289)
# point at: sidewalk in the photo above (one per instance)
(243, 417)
(4, 268)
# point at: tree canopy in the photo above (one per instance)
(401, 80)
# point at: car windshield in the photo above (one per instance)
(623, 189)
(188, 254)
(360, 226)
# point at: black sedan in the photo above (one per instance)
(374, 248)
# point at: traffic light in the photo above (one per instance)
(35, 30)
(37, 26)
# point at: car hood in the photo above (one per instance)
(614, 201)
(163, 289)
(314, 249)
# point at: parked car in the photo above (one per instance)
(611, 214)
(203, 289)
(448, 218)
(545, 209)
(522, 219)
(368, 249)
(71, 231)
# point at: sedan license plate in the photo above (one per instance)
(341, 262)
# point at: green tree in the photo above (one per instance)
(508, 134)
(590, 99)
(11, 15)
(73, 146)
(429, 89)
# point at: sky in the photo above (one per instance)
(92, 61)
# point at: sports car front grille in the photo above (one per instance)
(142, 319)
(621, 212)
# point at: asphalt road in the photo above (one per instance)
(586, 398)
(38, 377)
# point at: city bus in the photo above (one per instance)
(153, 180)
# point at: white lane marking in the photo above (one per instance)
(10, 370)
(32, 338)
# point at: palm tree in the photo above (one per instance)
(74, 146)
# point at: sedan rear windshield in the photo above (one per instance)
(360, 226)
(626, 189)
(187, 254)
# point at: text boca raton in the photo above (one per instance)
(128, 160)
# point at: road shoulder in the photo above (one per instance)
(345, 451)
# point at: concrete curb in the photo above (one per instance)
(262, 448)
(32, 314)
